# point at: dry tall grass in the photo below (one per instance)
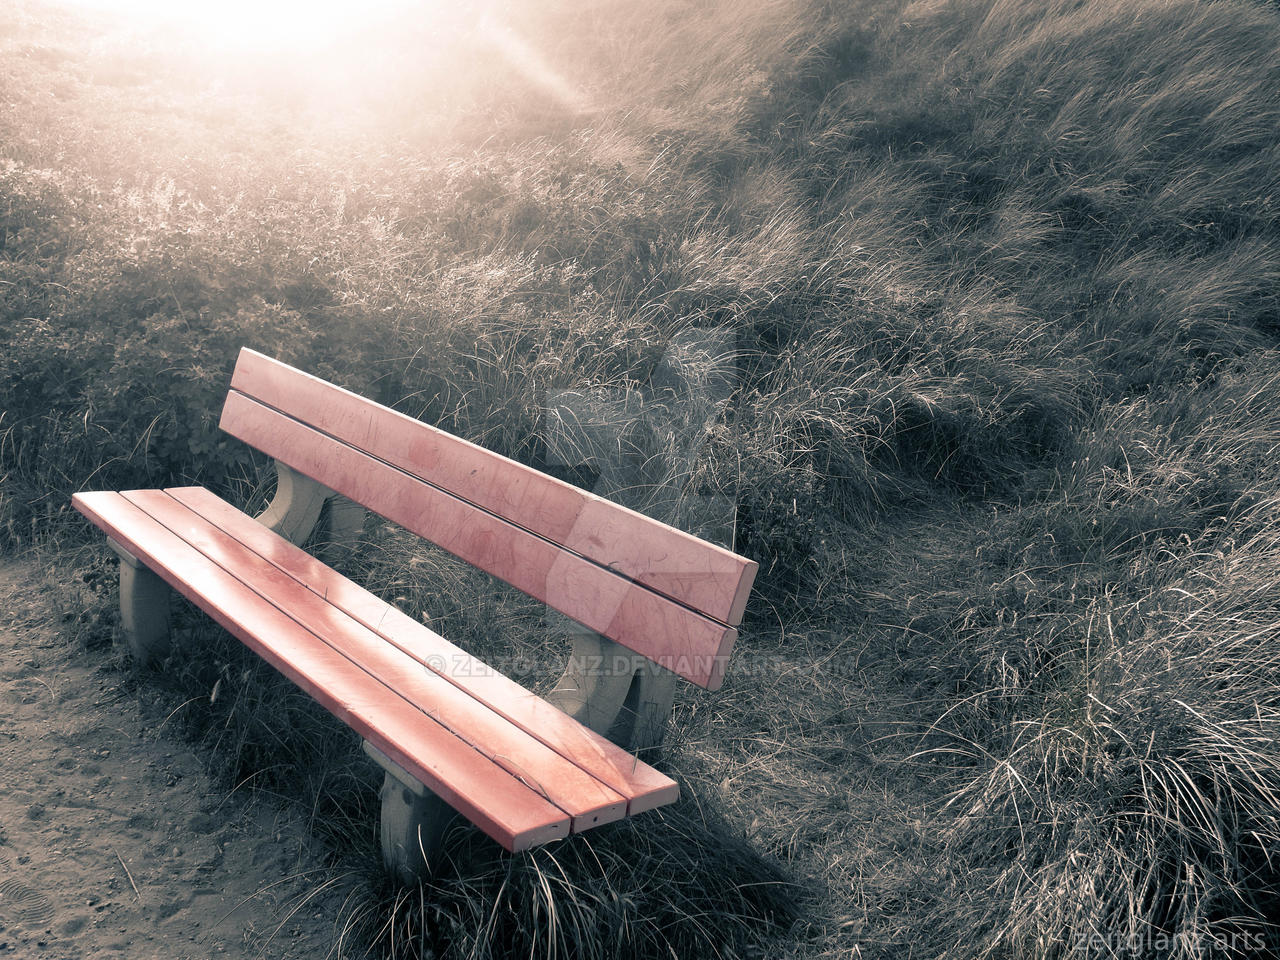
(1002, 280)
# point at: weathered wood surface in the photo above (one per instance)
(643, 786)
(331, 637)
(672, 635)
(676, 564)
(515, 815)
(527, 759)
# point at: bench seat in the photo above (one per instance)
(519, 768)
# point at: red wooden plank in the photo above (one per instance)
(505, 809)
(589, 802)
(644, 786)
(674, 636)
(694, 572)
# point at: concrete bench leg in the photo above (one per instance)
(296, 507)
(616, 692)
(144, 607)
(413, 823)
(303, 508)
(340, 525)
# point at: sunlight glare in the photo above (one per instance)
(296, 26)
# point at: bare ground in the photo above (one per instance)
(114, 842)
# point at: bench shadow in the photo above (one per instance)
(679, 881)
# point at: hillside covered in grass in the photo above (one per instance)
(1001, 287)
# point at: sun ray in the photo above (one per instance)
(530, 63)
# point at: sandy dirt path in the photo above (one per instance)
(114, 843)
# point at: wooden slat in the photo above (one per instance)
(589, 802)
(644, 787)
(505, 809)
(690, 570)
(672, 635)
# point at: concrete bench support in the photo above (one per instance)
(616, 692)
(144, 608)
(413, 823)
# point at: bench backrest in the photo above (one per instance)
(659, 591)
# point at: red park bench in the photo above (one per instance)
(451, 733)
